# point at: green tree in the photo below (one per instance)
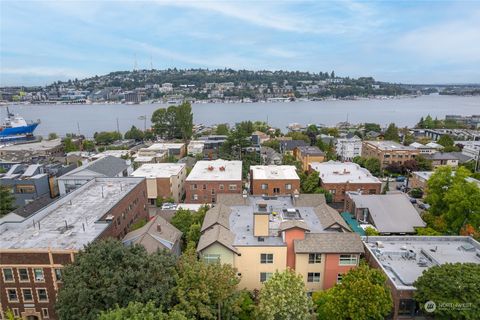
(457, 283)
(205, 290)
(362, 294)
(107, 274)
(222, 129)
(369, 231)
(134, 133)
(274, 144)
(386, 187)
(189, 223)
(107, 137)
(88, 145)
(140, 311)
(164, 123)
(52, 136)
(463, 203)
(373, 165)
(193, 234)
(284, 297)
(7, 200)
(423, 163)
(437, 186)
(184, 120)
(69, 146)
(446, 141)
(311, 183)
(290, 160)
(372, 127)
(298, 136)
(428, 122)
(392, 133)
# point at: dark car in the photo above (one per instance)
(400, 179)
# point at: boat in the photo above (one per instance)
(16, 126)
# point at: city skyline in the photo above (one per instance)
(409, 42)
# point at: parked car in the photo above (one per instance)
(169, 206)
(423, 206)
(412, 200)
(400, 179)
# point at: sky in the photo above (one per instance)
(396, 41)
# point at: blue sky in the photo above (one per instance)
(407, 41)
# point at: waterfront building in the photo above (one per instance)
(388, 152)
(27, 152)
(274, 180)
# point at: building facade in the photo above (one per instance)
(348, 148)
(340, 177)
(166, 180)
(34, 251)
(274, 180)
(307, 155)
(209, 178)
(259, 236)
(388, 152)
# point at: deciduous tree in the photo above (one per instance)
(140, 311)
(7, 201)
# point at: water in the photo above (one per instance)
(63, 119)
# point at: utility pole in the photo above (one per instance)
(118, 127)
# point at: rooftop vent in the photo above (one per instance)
(222, 168)
(379, 244)
(159, 228)
(210, 168)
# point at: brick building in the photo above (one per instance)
(209, 178)
(163, 180)
(274, 180)
(388, 152)
(34, 251)
(340, 177)
(307, 155)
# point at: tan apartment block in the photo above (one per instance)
(163, 180)
(259, 236)
(273, 180)
(388, 152)
(307, 155)
(209, 178)
(341, 177)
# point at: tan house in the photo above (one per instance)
(259, 236)
(273, 180)
(388, 152)
(341, 177)
(163, 180)
(307, 155)
(158, 150)
(209, 178)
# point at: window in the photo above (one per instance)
(221, 186)
(38, 273)
(372, 191)
(339, 278)
(58, 274)
(27, 295)
(194, 196)
(264, 276)
(313, 277)
(332, 191)
(12, 295)
(266, 258)
(276, 190)
(314, 258)
(348, 260)
(264, 186)
(8, 275)
(193, 187)
(45, 313)
(42, 295)
(213, 191)
(288, 186)
(204, 187)
(211, 258)
(16, 313)
(232, 187)
(23, 275)
(25, 188)
(406, 307)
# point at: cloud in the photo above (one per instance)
(448, 42)
(45, 72)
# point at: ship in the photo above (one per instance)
(16, 127)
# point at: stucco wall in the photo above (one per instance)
(333, 268)
(303, 268)
(226, 256)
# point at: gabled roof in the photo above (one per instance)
(330, 218)
(390, 213)
(329, 242)
(310, 200)
(158, 233)
(230, 199)
(290, 224)
(218, 234)
(292, 144)
(220, 214)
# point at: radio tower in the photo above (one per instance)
(135, 63)
(151, 63)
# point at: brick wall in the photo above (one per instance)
(204, 193)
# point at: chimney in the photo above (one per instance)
(159, 228)
(260, 224)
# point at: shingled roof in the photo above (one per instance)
(330, 218)
(290, 224)
(310, 200)
(329, 242)
(218, 234)
(220, 214)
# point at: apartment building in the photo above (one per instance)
(340, 177)
(26, 152)
(274, 180)
(307, 155)
(261, 235)
(158, 150)
(34, 251)
(444, 159)
(388, 152)
(404, 258)
(163, 180)
(348, 148)
(209, 178)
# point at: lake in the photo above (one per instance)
(63, 119)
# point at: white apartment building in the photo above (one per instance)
(348, 148)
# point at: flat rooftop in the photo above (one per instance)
(43, 145)
(424, 175)
(216, 170)
(241, 220)
(72, 221)
(404, 258)
(275, 172)
(343, 172)
(165, 146)
(158, 170)
(390, 145)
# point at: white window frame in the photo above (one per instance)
(31, 294)
(38, 295)
(288, 186)
(339, 278)
(348, 260)
(317, 258)
(12, 274)
(264, 186)
(45, 313)
(211, 258)
(20, 277)
(266, 258)
(265, 276)
(8, 294)
(40, 279)
(315, 277)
